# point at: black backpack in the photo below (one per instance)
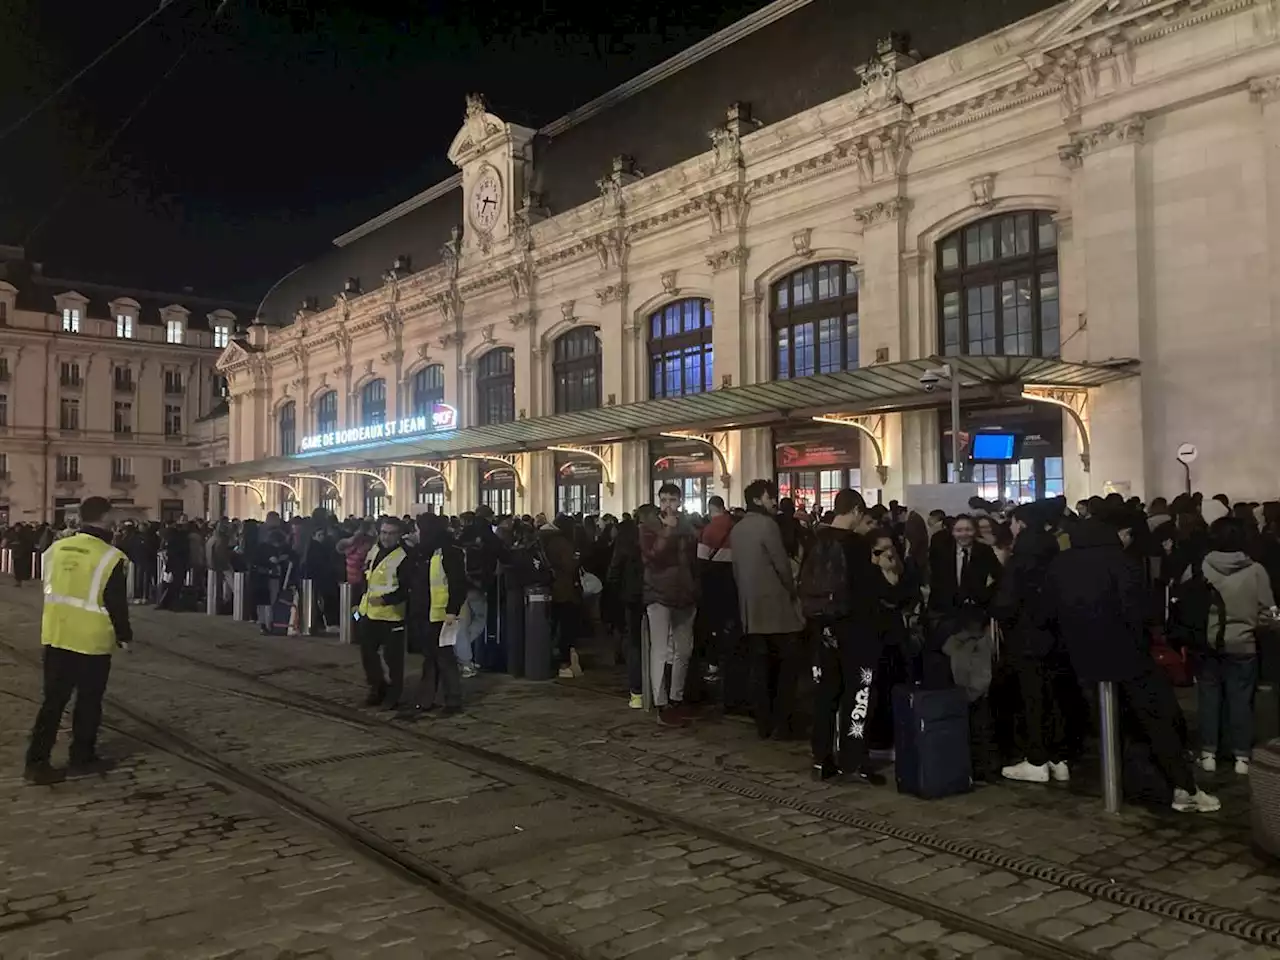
(824, 579)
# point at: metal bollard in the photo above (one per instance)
(212, 582)
(37, 566)
(344, 613)
(239, 594)
(1109, 737)
(6, 561)
(131, 581)
(190, 581)
(306, 607)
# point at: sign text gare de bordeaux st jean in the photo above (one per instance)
(443, 417)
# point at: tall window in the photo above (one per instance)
(172, 467)
(4, 369)
(174, 331)
(172, 420)
(70, 319)
(373, 403)
(496, 387)
(327, 412)
(428, 389)
(124, 327)
(998, 287)
(122, 379)
(289, 429)
(70, 374)
(576, 368)
(4, 410)
(121, 469)
(69, 414)
(680, 354)
(123, 418)
(221, 335)
(4, 465)
(68, 469)
(173, 382)
(814, 316)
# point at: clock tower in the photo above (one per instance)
(494, 158)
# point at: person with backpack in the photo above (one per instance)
(840, 597)
(1239, 593)
(769, 607)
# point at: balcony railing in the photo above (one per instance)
(72, 382)
(68, 477)
(174, 389)
(122, 478)
(123, 430)
(124, 386)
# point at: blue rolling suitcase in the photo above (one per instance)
(931, 741)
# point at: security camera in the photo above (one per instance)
(929, 381)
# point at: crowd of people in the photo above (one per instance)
(803, 619)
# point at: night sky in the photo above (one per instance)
(287, 123)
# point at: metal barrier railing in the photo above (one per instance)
(213, 592)
(239, 594)
(344, 613)
(1109, 746)
(306, 607)
(6, 561)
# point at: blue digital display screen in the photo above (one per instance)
(995, 447)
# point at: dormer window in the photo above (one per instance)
(70, 319)
(71, 306)
(223, 325)
(8, 297)
(221, 335)
(174, 319)
(125, 310)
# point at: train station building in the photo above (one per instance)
(773, 255)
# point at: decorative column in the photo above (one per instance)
(1116, 260)
(1265, 92)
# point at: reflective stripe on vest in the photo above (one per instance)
(439, 588)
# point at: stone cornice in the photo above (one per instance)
(1085, 142)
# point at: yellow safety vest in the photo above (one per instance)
(439, 588)
(382, 579)
(75, 572)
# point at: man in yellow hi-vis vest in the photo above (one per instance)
(381, 616)
(86, 616)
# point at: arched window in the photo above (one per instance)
(327, 412)
(814, 316)
(373, 403)
(496, 387)
(289, 429)
(680, 353)
(428, 389)
(576, 368)
(997, 285)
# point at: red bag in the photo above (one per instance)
(1172, 662)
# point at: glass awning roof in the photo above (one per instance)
(882, 388)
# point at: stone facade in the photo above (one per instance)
(96, 400)
(1148, 130)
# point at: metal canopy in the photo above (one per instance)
(884, 388)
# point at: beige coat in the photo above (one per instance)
(767, 596)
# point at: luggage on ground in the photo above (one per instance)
(1264, 797)
(931, 741)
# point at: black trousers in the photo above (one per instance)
(566, 622)
(1149, 708)
(439, 671)
(383, 640)
(67, 672)
(845, 665)
(776, 660)
(171, 591)
(1044, 730)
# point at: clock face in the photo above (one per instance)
(486, 200)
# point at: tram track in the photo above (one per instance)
(161, 736)
(1169, 906)
(1232, 923)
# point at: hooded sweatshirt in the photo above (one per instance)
(1246, 593)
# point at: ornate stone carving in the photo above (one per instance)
(669, 283)
(522, 319)
(624, 171)
(984, 190)
(393, 357)
(1264, 90)
(880, 154)
(424, 352)
(486, 333)
(449, 304)
(724, 259)
(566, 311)
(802, 242)
(1085, 142)
(520, 277)
(727, 209)
(726, 140)
(450, 339)
(612, 293)
(879, 76)
(883, 212)
(451, 254)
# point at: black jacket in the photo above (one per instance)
(418, 566)
(1093, 600)
(1017, 600)
(981, 576)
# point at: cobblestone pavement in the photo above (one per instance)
(698, 843)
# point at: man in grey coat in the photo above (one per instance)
(769, 607)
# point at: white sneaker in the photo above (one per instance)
(566, 673)
(1060, 772)
(1208, 763)
(1242, 766)
(1198, 802)
(1027, 772)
